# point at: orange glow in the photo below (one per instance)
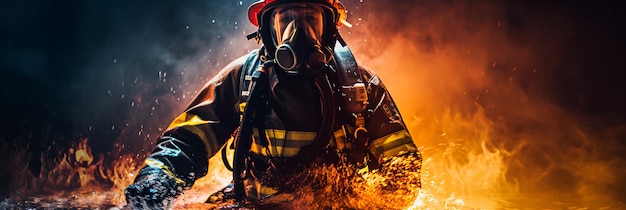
(474, 102)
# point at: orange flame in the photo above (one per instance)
(487, 140)
(473, 96)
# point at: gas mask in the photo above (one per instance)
(297, 32)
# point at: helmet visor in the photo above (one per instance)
(289, 18)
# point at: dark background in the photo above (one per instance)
(112, 72)
(116, 72)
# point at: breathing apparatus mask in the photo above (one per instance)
(297, 33)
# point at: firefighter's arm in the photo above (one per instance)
(182, 152)
(387, 134)
(390, 144)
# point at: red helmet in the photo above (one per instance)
(257, 8)
(333, 14)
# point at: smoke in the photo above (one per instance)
(504, 97)
(115, 73)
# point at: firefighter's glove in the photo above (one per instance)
(153, 189)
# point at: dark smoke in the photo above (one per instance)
(547, 76)
(575, 47)
(112, 72)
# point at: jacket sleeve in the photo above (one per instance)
(388, 135)
(183, 150)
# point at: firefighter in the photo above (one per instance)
(299, 99)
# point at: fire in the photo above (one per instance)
(83, 158)
(465, 165)
(76, 169)
(90, 180)
(476, 103)
(83, 154)
(471, 95)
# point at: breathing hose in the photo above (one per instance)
(328, 110)
(260, 85)
(244, 138)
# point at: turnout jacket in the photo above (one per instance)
(291, 122)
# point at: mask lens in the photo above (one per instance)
(291, 17)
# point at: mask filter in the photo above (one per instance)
(297, 31)
(299, 53)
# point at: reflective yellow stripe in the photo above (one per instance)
(290, 135)
(199, 127)
(242, 106)
(182, 120)
(158, 164)
(275, 133)
(392, 144)
(301, 136)
(287, 142)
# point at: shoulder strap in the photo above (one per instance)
(350, 80)
(344, 60)
(251, 64)
(245, 81)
